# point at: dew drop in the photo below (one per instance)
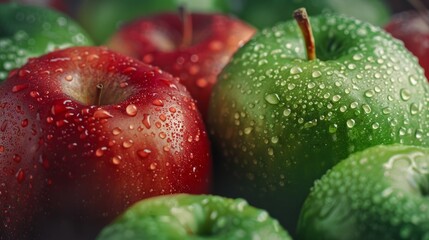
(102, 114)
(270, 151)
(375, 126)
(366, 108)
(357, 56)
(158, 102)
(144, 153)
(68, 78)
(116, 160)
(295, 70)
(333, 128)
(350, 123)
(116, 131)
(414, 108)
(405, 94)
(100, 151)
(287, 112)
(146, 120)
(413, 80)
(272, 98)
(248, 130)
(127, 144)
(369, 93)
(316, 74)
(20, 87)
(131, 110)
(20, 175)
(275, 139)
(152, 166)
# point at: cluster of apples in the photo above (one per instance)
(320, 121)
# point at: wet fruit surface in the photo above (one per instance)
(87, 132)
(379, 193)
(159, 40)
(30, 31)
(279, 121)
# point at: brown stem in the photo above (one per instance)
(187, 26)
(421, 8)
(303, 21)
(99, 87)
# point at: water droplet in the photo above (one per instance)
(69, 78)
(20, 175)
(366, 108)
(350, 123)
(144, 153)
(405, 94)
(248, 130)
(354, 105)
(162, 135)
(375, 126)
(316, 74)
(351, 66)
(116, 160)
(116, 131)
(102, 114)
(146, 120)
(270, 151)
(24, 123)
(333, 128)
(275, 139)
(158, 102)
(287, 112)
(369, 93)
(272, 98)
(20, 87)
(152, 166)
(127, 144)
(386, 110)
(357, 56)
(414, 108)
(131, 110)
(295, 70)
(16, 158)
(336, 98)
(413, 80)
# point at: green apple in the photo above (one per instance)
(379, 193)
(185, 216)
(280, 117)
(101, 18)
(267, 13)
(29, 31)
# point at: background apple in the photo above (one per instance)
(28, 31)
(412, 27)
(101, 18)
(195, 49)
(184, 216)
(267, 13)
(379, 193)
(278, 120)
(75, 154)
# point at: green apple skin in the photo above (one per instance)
(29, 31)
(101, 18)
(379, 193)
(279, 121)
(198, 217)
(267, 13)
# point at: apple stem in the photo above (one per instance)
(421, 8)
(99, 87)
(303, 21)
(187, 26)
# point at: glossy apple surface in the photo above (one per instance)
(75, 154)
(279, 121)
(411, 28)
(158, 40)
(379, 193)
(29, 31)
(185, 216)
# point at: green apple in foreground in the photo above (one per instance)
(29, 31)
(379, 193)
(185, 216)
(280, 116)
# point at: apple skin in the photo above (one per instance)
(102, 18)
(68, 159)
(29, 31)
(278, 121)
(264, 14)
(413, 30)
(185, 216)
(379, 193)
(215, 38)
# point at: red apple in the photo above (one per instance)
(412, 28)
(194, 47)
(86, 132)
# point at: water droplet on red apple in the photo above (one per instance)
(152, 166)
(129, 69)
(102, 114)
(131, 110)
(100, 151)
(144, 153)
(127, 144)
(1, 148)
(23, 72)
(58, 108)
(116, 131)
(20, 175)
(24, 123)
(19, 87)
(162, 117)
(162, 135)
(68, 78)
(34, 94)
(172, 109)
(116, 160)
(16, 158)
(146, 120)
(49, 119)
(158, 102)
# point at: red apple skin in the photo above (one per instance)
(66, 159)
(413, 30)
(157, 40)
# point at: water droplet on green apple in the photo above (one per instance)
(248, 130)
(366, 108)
(295, 70)
(287, 112)
(405, 94)
(350, 123)
(316, 74)
(369, 93)
(272, 98)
